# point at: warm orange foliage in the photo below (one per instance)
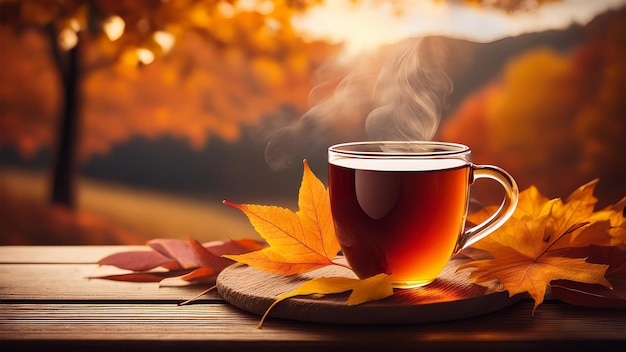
(555, 120)
(28, 96)
(222, 65)
(298, 242)
(229, 67)
(529, 250)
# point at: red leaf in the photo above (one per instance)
(137, 261)
(587, 295)
(202, 275)
(240, 246)
(178, 250)
(596, 296)
(198, 262)
(207, 259)
(152, 276)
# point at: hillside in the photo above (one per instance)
(108, 214)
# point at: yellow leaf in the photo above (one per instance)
(526, 249)
(298, 242)
(530, 202)
(576, 210)
(524, 235)
(611, 219)
(570, 224)
(597, 233)
(371, 289)
(519, 273)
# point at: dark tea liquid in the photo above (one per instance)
(400, 217)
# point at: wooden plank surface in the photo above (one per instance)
(71, 282)
(212, 323)
(60, 273)
(47, 303)
(60, 254)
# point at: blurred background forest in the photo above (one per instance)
(123, 121)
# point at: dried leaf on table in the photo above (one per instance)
(527, 249)
(593, 295)
(138, 260)
(363, 290)
(188, 260)
(145, 276)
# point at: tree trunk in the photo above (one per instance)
(66, 153)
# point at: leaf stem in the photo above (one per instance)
(568, 231)
(267, 312)
(342, 265)
(197, 296)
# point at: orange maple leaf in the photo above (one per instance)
(526, 249)
(298, 242)
(575, 218)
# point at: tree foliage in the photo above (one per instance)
(227, 63)
(211, 55)
(549, 108)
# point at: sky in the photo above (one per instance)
(365, 26)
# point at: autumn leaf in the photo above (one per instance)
(138, 260)
(190, 260)
(613, 219)
(176, 249)
(363, 290)
(593, 295)
(298, 242)
(144, 276)
(519, 273)
(525, 249)
(575, 218)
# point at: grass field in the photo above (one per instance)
(109, 213)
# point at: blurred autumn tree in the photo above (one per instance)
(251, 43)
(555, 120)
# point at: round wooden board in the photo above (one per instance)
(451, 296)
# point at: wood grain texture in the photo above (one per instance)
(60, 254)
(51, 306)
(452, 296)
(72, 282)
(221, 326)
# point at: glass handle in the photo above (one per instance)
(505, 211)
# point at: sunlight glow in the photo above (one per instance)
(273, 25)
(264, 7)
(74, 25)
(366, 25)
(165, 40)
(226, 10)
(114, 27)
(67, 39)
(145, 56)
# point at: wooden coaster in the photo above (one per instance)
(451, 296)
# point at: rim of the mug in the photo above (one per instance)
(456, 149)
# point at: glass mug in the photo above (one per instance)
(400, 207)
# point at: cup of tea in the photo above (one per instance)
(399, 207)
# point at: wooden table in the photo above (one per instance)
(48, 304)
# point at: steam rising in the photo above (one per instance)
(409, 94)
(397, 93)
